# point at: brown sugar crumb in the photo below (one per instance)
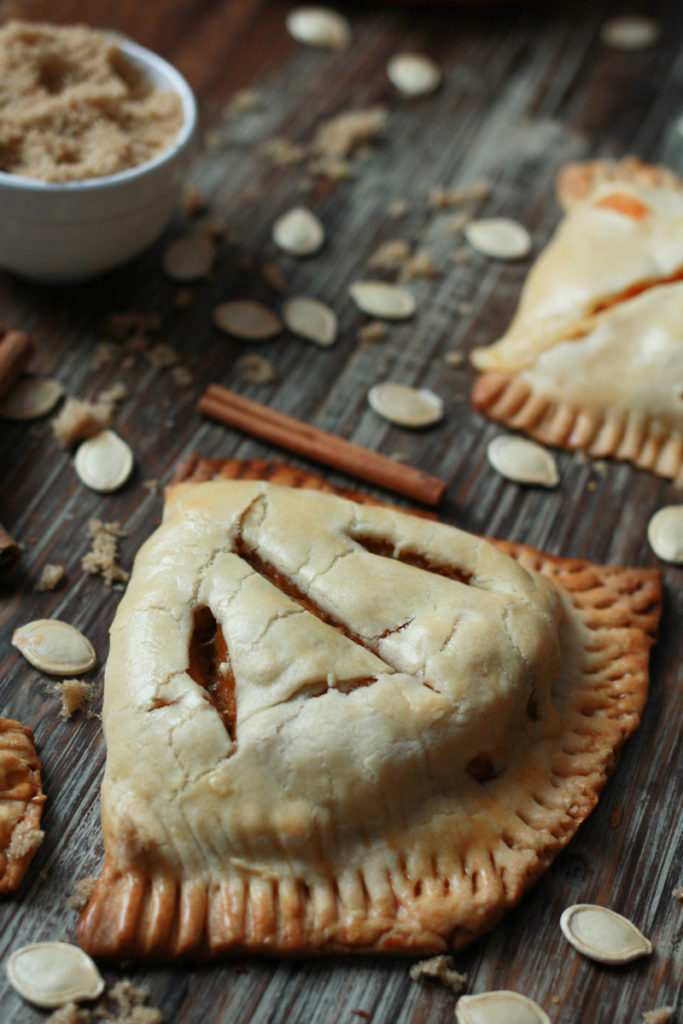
(73, 106)
(106, 354)
(181, 376)
(272, 275)
(333, 167)
(616, 816)
(121, 1004)
(283, 152)
(101, 560)
(660, 1015)
(418, 265)
(398, 208)
(162, 355)
(183, 298)
(677, 892)
(76, 695)
(127, 323)
(194, 202)
(81, 891)
(441, 969)
(362, 1013)
(50, 576)
(441, 198)
(343, 135)
(78, 419)
(390, 255)
(454, 359)
(374, 330)
(243, 102)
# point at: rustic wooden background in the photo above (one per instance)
(525, 90)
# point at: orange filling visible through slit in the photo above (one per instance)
(210, 666)
(622, 202)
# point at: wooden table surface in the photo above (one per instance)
(525, 90)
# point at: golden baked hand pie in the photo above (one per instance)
(338, 727)
(593, 358)
(21, 802)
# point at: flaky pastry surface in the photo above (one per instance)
(593, 358)
(391, 730)
(21, 802)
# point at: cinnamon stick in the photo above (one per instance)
(15, 351)
(287, 432)
(10, 552)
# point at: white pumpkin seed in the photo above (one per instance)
(298, 232)
(522, 461)
(319, 26)
(310, 319)
(382, 300)
(104, 462)
(406, 406)
(502, 1007)
(55, 647)
(256, 370)
(413, 74)
(603, 935)
(30, 398)
(51, 974)
(190, 257)
(246, 319)
(665, 534)
(498, 237)
(630, 32)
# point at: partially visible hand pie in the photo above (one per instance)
(338, 727)
(21, 802)
(593, 358)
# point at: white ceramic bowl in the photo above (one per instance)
(67, 232)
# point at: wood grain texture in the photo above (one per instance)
(525, 90)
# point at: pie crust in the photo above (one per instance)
(593, 358)
(21, 802)
(377, 738)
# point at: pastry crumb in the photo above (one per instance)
(441, 198)
(390, 255)
(123, 1003)
(344, 134)
(418, 265)
(162, 355)
(50, 576)
(660, 1015)
(398, 208)
(440, 968)
(677, 892)
(76, 694)
(124, 324)
(454, 358)
(282, 152)
(374, 330)
(78, 420)
(81, 891)
(181, 375)
(107, 353)
(242, 102)
(101, 560)
(152, 485)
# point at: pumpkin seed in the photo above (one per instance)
(630, 32)
(30, 398)
(502, 1007)
(319, 26)
(382, 300)
(665, 534)
(521, 461)
(413, 74)
(603, 935)
(498, 237)
(310, 319)
(51, 974)
(55, 647)
(406, 406)
(104, 462)
(190, 257)
(298, 232)
(246, 319)
(256, 370)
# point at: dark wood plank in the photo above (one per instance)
(525, 90)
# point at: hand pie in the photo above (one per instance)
(21, 802)
(338, 727)
(593, 358)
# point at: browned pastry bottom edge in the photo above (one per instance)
(146, 916)
(21, 803)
